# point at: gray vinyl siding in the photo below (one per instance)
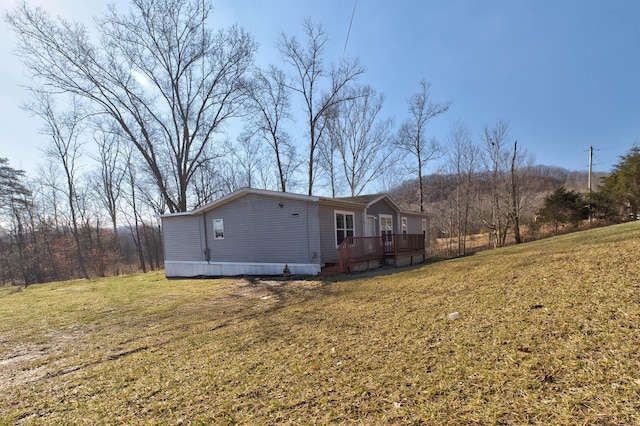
(258, 229)
(328, 229)
(382, 207)
(183, 238)
(327, 237)
(414, 224)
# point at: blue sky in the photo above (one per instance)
(564, 74)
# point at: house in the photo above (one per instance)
(259, 232)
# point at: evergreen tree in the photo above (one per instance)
(12, 191)
(622, 187)
(562, 207)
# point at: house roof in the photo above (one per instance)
(241, 193)
(360, 200)
(371, 199)
(364, 199)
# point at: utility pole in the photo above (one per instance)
(589, 183)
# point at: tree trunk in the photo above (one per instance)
(514, 195)
(420, 183)
(138, 244)
(76, 237)
(312, 135)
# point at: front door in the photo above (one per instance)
(386, 229)
(370, 231)
(370, 227)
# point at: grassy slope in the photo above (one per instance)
(548, 334)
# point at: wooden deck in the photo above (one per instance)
(368, 252)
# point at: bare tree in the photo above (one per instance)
(412, 135)
(523, 185)
(328, 151)
(515, 194)
(361, 138)
(107, 182)
(133, 187)
(168, 81)
(207, 185)
(250, 158)
(64, 129)
(24, 260)
(50, 191)
(496, 158)
(269, 108)
(320, 86)
(463, 161)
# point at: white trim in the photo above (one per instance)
(404, 225)
(188, 269)
(393, 204)
(382, 216)
(335, 225)
(162, 216)
(215, 237)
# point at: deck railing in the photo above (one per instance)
(360, 250)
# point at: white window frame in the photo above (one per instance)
(216, 229)
(404, 224)
(345, 229)
(383, 219)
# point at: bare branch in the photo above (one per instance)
(309, 76)
(168, 84)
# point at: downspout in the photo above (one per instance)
(206, 252)
(308, 234)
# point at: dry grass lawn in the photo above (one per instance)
(548, 334)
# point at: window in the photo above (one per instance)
(404, 225)
(218, 229)
(424, 227)
(386, 224)
(344, 226)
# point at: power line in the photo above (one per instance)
(353, 12)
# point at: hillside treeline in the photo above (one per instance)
(50, 233)
(448, 205)
(521, 204)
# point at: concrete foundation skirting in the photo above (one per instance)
(184, 269)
